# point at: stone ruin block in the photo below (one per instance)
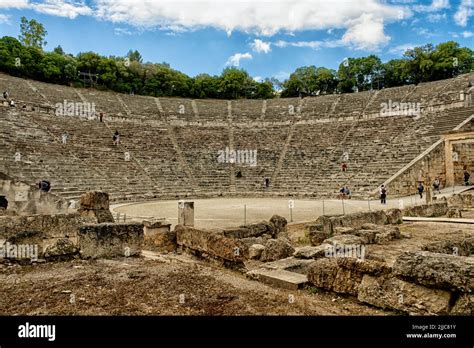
(211, 243)
(464, 305)
(277, 249)
(435, 270)
(94, 200)
(427, 210)
(326, 274)
(273, 228)
(186, 213)
(391, 293)
(108, 240)
(54, 236)
(158, 236)
(459, 246)
(95, 204)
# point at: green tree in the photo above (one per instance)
(32, 33)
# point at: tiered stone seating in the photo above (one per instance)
(19, 90)
(247, 110)
(300, 150)
(319, 107)
(177, 108)
(212, 110)
(268, 142)
(282, 109)
(200, 147)
(395, 94)
(353, 104)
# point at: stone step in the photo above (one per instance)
(279, 278)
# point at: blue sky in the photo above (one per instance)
(266, 38)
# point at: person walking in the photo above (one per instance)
(421, 188)
(436, 185)
(383, 194)
(466, 177)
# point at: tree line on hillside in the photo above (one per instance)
(25, 57)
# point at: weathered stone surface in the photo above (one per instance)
(365, 266)
(457, 247)
(255, 251)
(369, 226)
(427, 210)
(344, 230)
(158, 236)
(94, 200)
(393, 293)
(62, 248)
(53, 226)
(394, 216)
(279, 223)
(345, 239)
(95, 204)
(464, 200)
(279, 278)
(254, 240)
(110, 240)
(464, 305)
(311, 252)
(277, 249)
(436, 270)
(357, 220)
(318, 237)
(324, 273)
(99, 216)
(454, 212)
(211, 243)
(291, 264)
(388, 234)
(368, 236)
(253, 230)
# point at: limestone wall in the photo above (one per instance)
(27, 199)
(55, 236)
(418, 282)
(426, 169)
(465, 153)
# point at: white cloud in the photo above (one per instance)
(366, 33)
(401, 49)
(467, 34)
(464, 12)
(62, 8)
(234, 60)
(435, 17)
(4, 19)
(436, 5)
(13, 3)
(263, 17)
(122, 31)
(260, 46)
(258, 79)
(308, 44)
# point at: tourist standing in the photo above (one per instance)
(383, 194)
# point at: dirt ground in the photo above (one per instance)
(135, 286)
(173, 284)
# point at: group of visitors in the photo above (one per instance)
(345, 192)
